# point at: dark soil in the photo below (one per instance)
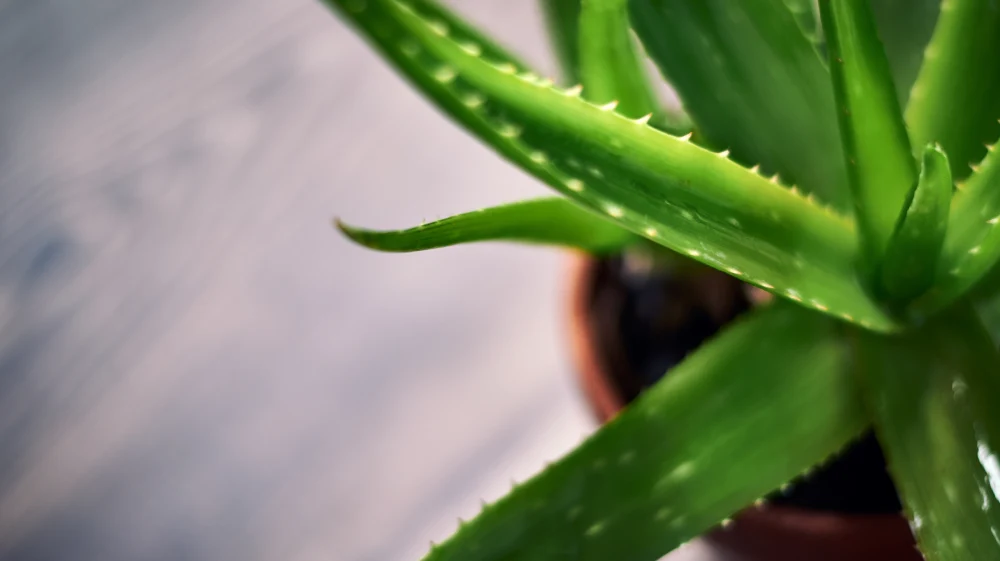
(649, 318)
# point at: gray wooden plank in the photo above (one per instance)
(192, 365)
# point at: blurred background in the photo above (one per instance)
(193, 364)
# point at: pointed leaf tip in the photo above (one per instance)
(732, 219)
(547, 221)
(910, 261)
(352, 233)
(972, 244)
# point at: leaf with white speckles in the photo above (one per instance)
(933, 394)
(656, 185)
(550, 221)
(758, 405)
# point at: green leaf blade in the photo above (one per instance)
(658, 186)
(755, 407)
(610, 68)
(956, 99)
(933, 394)
(879, 161)
(972, 245)
(807, 16)
(910, 262)
(905, 27)
(562, 19)
(753, 83)
(988, 308)
(548, 221)
(484, 45)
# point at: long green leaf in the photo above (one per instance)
(757, 406)
(562, 18)
(606, 62)
(880, 165)
(609, 65)
(934, 395)
(956, 99)
(550, 221)
(659, 186)
(753, 83)
(911, 258)
(972, 246)
(905, 27)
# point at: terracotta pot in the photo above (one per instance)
(769, 533)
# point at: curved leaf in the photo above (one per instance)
(661, 187)
(956, 99)
(753, 83)
(551, 221)
(763, 402)
(879, 161)
(934, 395)
(911, 258)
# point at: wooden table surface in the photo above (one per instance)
(193, 365)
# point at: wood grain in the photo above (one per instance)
(193, 366)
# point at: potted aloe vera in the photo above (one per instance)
(835, 155)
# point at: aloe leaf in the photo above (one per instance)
(549, 221)
(753, 83)
(612, 66)
(911, 258)
(989, 313)
(807, 16)
(956, 99)
(972, 245)
(562, 18)
(609, 66)
(661, 187)
(933, 394)
(760, 404)
(905, 27)
(484, 44)
(879, 161)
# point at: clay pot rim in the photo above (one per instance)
(604, 401)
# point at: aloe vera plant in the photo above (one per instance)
(836, 154)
